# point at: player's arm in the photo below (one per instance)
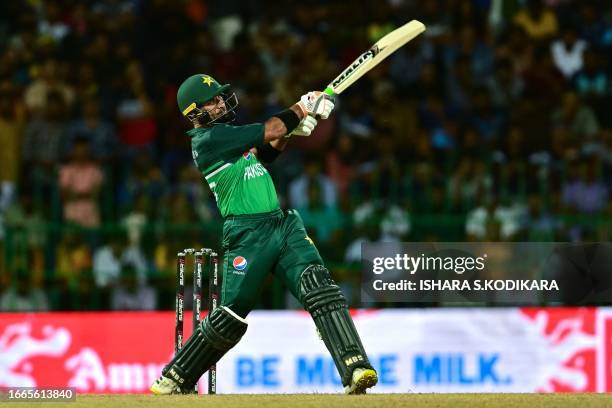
(283, 123)
(281, 126)
(270, 151)
(276, 130)
(311, 105)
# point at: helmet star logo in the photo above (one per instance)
(207, 80)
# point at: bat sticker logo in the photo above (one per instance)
(369, 54)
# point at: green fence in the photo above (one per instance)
(58, 258)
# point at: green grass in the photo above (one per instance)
(328, 400)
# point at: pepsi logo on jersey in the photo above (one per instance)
(240, 263)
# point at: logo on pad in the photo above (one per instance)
(240, 263)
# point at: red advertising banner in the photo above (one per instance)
(500, 350)
(607, 352)
(99, 352)
(571, 337)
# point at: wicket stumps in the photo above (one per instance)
(199, 257)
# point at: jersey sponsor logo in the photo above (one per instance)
(240, 263)
(254, 170)
(247, 155)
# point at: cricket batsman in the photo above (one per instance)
(258, 237)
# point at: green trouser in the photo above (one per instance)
(255, 245)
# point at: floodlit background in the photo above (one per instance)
(494, 125)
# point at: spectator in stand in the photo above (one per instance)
(460, 83)
(505, 87)
(538, 21)
(137, 126)
(73, 258)
(23, 296)
(510, 164)
(366, 229)
(592, 81)
(469, 181)
(486, 118)
(49, 80)
(594, 25)
(540, 223)
(99, 133)
(87, 87)
(12, 122)
(137, 219)
(575, 116)
(406, 65)
(593, 85)
(298, 189)
(568, 53)
(585, 191)
(476, 52)
(395, 224)
(492, 221)
(44, 141)
(356, 119)
(323, 222)
(132, 295)
(80, 181)
(107, 262)
(134, 256)
(23, 232)
(542, 79)
(144, 178)
(52, 23)
(273, 46)
(200, 198)
(341, 163)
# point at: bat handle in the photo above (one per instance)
(329, 91)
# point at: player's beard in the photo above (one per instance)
(226, 113)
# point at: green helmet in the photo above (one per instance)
(196, 90)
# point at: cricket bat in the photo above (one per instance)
(372, 57)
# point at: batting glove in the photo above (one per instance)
(317, 104)
(305, 127)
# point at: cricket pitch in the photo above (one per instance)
(348, 401)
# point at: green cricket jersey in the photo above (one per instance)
(240, 183)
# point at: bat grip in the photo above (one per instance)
(329, 91)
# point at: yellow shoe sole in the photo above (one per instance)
(367, 379)
(156, 391)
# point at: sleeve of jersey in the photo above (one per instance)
(229, 141)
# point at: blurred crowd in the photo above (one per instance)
(494, 125)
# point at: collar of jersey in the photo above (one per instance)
(194, 132)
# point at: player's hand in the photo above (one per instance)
(305, 127)
(317, 104)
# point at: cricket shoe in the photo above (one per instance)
(165, 386)
(362, 379)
